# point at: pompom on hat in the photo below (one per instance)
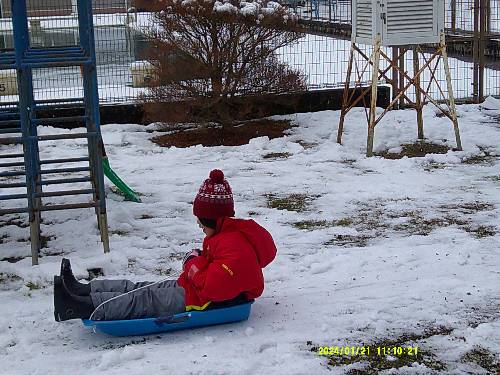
(215, 197)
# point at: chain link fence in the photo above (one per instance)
(473, 27)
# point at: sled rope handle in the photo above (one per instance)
(123, 294)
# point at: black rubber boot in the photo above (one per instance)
(69, 306)
(70, 281)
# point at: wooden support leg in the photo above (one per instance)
(418, 95)
(35, 238)
(345, 101)
(451, 98)
(373, 102)
(103, 227)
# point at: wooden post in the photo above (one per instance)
(373, 101)
(475, 53)
(395, 75)
(401, 64)
(103, 220)
(453, 15)
(418, 95)
(35, 238)
(483, 26)
(345, 96)
(453, 110)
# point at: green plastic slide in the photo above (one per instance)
(124, 188)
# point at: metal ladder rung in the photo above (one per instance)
(68, 206)
(63, 193)
(54, 137)
(10, 130)
(64, 181)
(11, 156)
(53, 54)
(12, 185)
(13, 196)
(68, 160)
(59, 119)
(57, 62)
(10, 174)
(54, 49)
(65, 170)
(11, 140)
(6, 211)
(10, 122)
(5, 115)
(13, 164)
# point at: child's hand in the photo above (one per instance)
(189, 255)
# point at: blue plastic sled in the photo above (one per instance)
(192, 319)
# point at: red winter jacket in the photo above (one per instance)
(231, 263)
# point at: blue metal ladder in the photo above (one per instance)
(19, 122)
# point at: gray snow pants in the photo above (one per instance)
(123, 299)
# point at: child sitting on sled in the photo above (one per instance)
(227, 271)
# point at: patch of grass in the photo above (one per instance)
(484, 157)
(32, 286)
(345, 222)
(423, 227)
(131, 263)
(119, 232)
(469, 207)
(482, 357)
(493, 178)
(277, 155)
(482, 231)
(347, 240)
(318, 224)
(413, 150)
(7, 277)
(163, 271)
(95, 273)
(13, 259)
(375, 361)
(434, 166)
(306, 145)
(313, 224)
(16, 220)
(292, 202)
(44, 240)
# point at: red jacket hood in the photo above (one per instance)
(260, 239)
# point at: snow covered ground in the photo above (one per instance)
(372, 252)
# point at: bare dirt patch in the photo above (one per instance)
(277, 155)
(413, 150)
(213, 135)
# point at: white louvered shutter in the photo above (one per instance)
(398, 22)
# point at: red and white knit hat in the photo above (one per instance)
(215, 198)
